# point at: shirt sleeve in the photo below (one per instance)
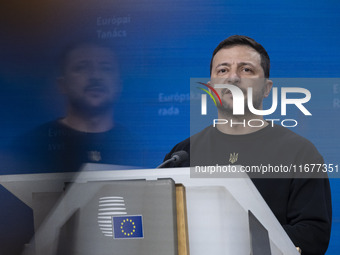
(309, 211)
(309, 215)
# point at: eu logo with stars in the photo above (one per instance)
(128, 227)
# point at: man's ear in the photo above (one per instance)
(61, 85)
(268, 87)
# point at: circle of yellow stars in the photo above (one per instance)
(126, 221)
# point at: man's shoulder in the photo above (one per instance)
(47, 128)
(41, 131)
(274, 133)
(185, 144)
(289, 136)
(292, 142)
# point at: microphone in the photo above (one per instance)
(177, 157)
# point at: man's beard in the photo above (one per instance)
(226, 109)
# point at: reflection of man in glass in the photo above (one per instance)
(301, 205)
(90, 82)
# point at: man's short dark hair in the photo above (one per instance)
(64, 56)
(247, 41)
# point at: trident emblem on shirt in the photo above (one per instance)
(94, 156)
(233, 157)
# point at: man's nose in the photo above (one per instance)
(95, 72)
(233, 77)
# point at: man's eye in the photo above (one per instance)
(79, 68)
(221, 71)
(247, 70)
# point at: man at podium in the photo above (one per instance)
(301, 204)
